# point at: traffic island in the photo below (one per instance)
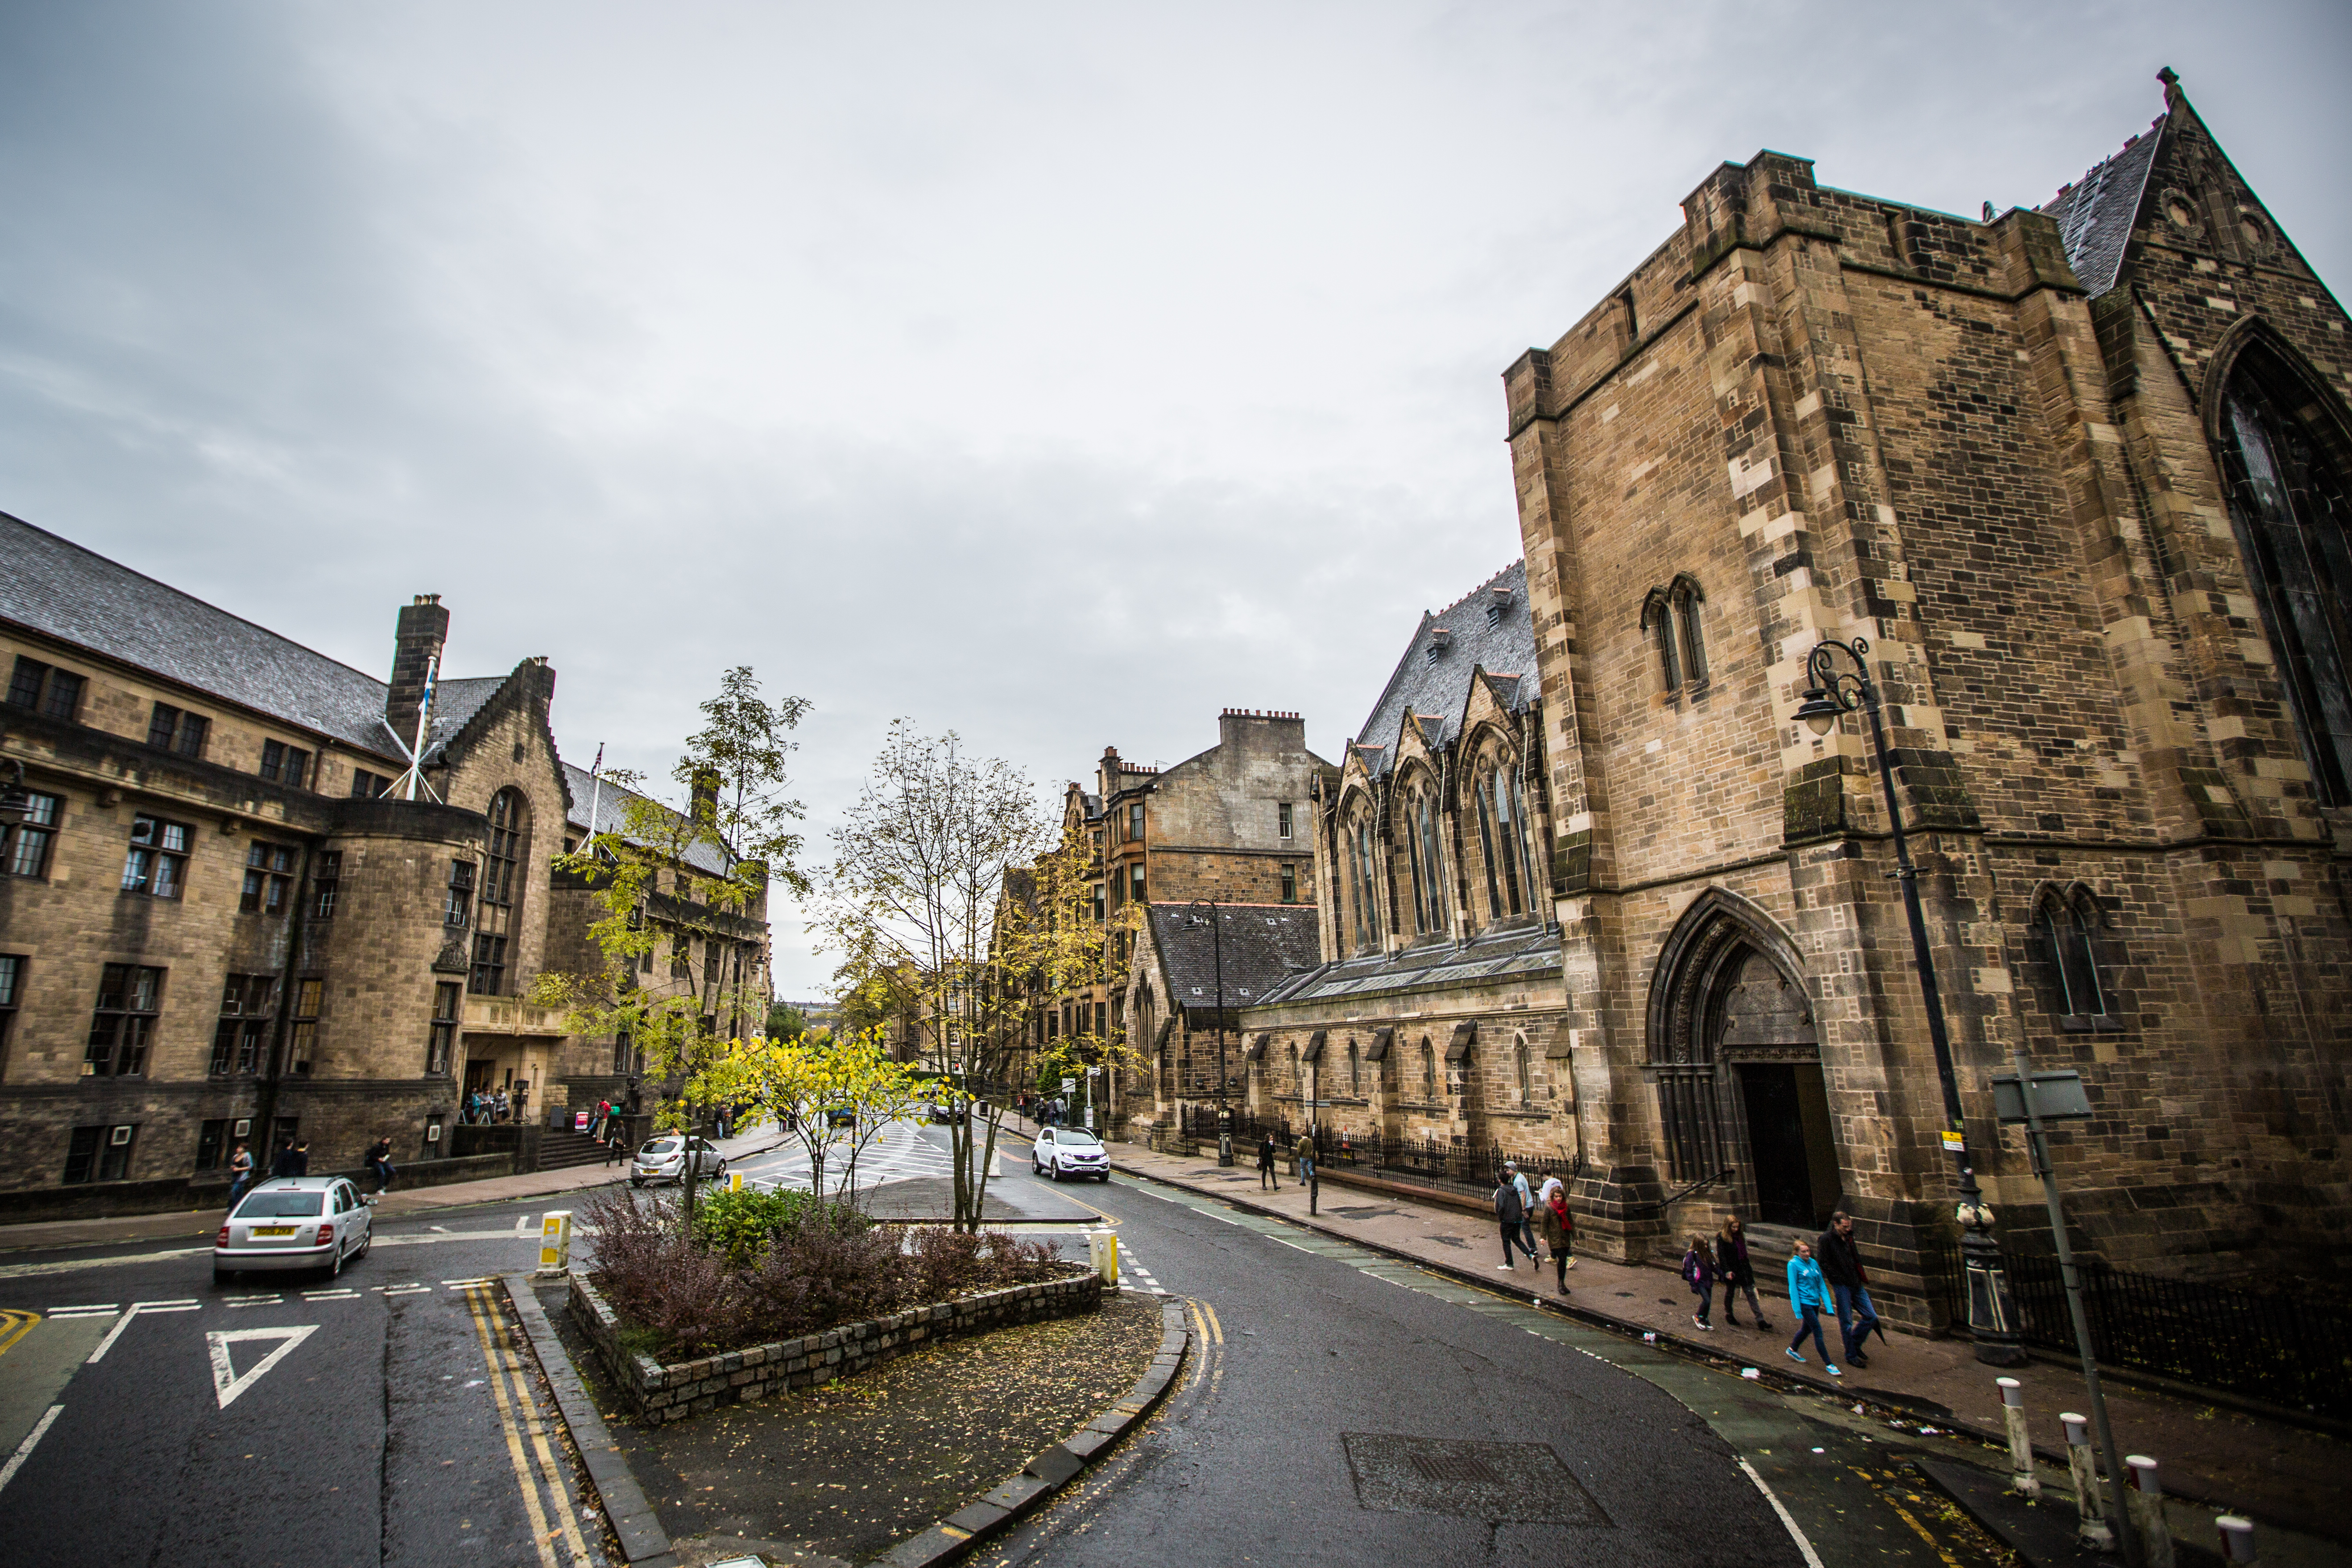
(910, 1459)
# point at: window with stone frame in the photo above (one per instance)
(1135, 823)
(366, 785)
(12, 989)
(285, 764)
(1363, 836)
(157, 863)
(302, 1031)
(1135, 883)
(25, 845)
(457, 904)
(1428, 1070)
(441, 1041)
(99, 1153)
(2066, 964)
(1282, 819)
(212, 1145)
(269, 879)
(43, 689)
(1289, 894)
(499, 907)
(2290, 502)
(1526, 1082)
(122, 1025)
(177, 731)
(326, 884)
(1355, 1069)
(488, 976)
(241, 1038)
(1671, 616)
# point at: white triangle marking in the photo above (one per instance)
(227, 1383)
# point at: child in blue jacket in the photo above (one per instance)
(1809, 1295)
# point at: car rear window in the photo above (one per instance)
(660, 1146)
(281, 1206)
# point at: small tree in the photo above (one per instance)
(909, 904)
(800, 1082)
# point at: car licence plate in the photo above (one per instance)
(271, 1230)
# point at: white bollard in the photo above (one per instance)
(2022, 1478)
(2145, 1499)
(1102, 1250)
(555, 1242)
(2237, 1539)
(2090, 1497)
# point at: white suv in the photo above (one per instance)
(1071, 1152)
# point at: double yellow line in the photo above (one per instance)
(15, 1325)
(517, 1412)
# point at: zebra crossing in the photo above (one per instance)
(898, 1154)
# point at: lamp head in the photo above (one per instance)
(1820, 710)
(16, 800)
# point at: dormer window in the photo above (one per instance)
(1498, 601)
(1440, 639)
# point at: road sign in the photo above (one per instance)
(227, 1382)
(2057, 1097)
(1069, 1086)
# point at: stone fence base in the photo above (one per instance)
(655, 1392)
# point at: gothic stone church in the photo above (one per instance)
(2081, 476)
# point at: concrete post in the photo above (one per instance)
(1103, 1249)
(2082, 1463)
(555, 1242)
(2237, 1539)
(2145, 1499)
(2022, 1478)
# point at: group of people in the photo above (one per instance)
(1302, 1160)
(1528, 1211)
(293, 1159)
(1825, 1275)
(483, 1106)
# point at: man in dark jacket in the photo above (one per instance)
(281, 1164)
(1510, 1213)
(1849, 1286)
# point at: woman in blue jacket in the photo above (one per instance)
(1809, 1296)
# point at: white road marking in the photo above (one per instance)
(16, 1459)
(409, 1289)
(1812, 1559)
(524, 1225)
(138, 1308)
(227, 1384)
(253, 1301)
(345, 1294)
(100, 1309)
(461, 1284)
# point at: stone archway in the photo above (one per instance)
(1735, 1053)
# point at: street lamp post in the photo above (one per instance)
(1217, 955)
(1992, 1320)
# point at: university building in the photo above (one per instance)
(2080, 478)
(222, 918)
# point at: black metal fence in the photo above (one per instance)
(2282, 1348)
(1472, 1172)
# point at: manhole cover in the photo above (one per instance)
(1494, 1481)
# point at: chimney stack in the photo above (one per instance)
(416, 642)
(706, 796)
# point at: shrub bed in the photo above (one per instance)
(764, 1268)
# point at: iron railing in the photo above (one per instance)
(2276, 1346)
(1454, 1167)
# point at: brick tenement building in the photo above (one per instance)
(2079, 476)
(221, 921)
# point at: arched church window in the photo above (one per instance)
(1519, 1063)
(1428, 1070)
(2291, 504)
(1414, 863)
(1355, 1070)
(1360, 849)
(1671, 616)
(1523, 833)
(2066, 944)
(1425, 811)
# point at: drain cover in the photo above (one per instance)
(1519, 1481)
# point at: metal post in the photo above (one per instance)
(1992, 1323)
(2022, 1478)
(2037, 1143)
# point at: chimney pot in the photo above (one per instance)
(417, 637)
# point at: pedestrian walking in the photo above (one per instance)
(1526, 1208)
(1809, 1297)
(1558, 1228)
(1733, 1267)
(1307, 1156)
(379, 1160)
(240, 1172)
(1841, 1262)
(1512, 1218)
(604, 1120)
(616, 1141)
(1267, 1176)
(281, 1164)
(1698, 1273)
(499, 1106)
(473, 1106)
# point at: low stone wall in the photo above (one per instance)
(655, 1392)
(195, 1194)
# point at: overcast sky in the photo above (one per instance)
(1056, 374)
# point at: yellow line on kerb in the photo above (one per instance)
(542, 1537)
(1216, 1329)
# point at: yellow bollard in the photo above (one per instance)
(1104, 1246)
(555, 1242)
(734, 1181)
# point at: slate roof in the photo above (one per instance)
(2096, 213)
(1263, 945)
(611, 803)
(1437, 689)
(57, 587)
(1522, 948)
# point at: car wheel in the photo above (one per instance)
(1056, 1172)
(720, 1174)
(636, 1182)
(222, 1277)
(1104, 1178)
(366, 1242)
(335, 1262)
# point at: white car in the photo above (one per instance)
(663, 1159)
(1070, 1151)
(297, 1222)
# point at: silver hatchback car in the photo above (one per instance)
(295, 1222)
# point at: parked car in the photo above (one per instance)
(948, 1110)
(298, 1221)
(1071, 1152)
(663, 1159)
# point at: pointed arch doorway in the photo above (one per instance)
(1736, 1055)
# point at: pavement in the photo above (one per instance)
(2275, 1473)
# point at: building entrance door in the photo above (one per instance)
(478, 1076)
(1790, 1154)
